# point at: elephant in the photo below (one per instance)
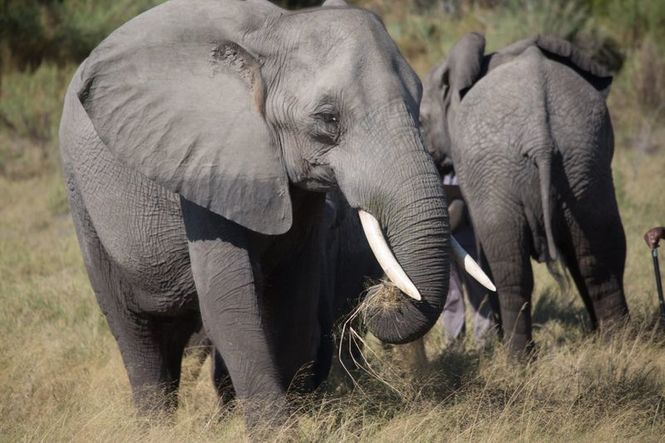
(528, 132)
(198, 142)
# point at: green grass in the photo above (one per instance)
(62, 379)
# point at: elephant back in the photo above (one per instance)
(557, 50)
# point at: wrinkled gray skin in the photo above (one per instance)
(197, 141)
(348, 267)
(530, 137)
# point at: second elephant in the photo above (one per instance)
(529, 134)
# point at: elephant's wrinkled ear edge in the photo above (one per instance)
(466, 62)
(247, 65)
(441, 76)
(88, 74)
(436, 83)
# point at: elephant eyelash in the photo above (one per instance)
(327, 127)
(328, 118)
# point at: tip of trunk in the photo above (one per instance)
(385, 308)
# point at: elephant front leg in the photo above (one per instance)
(229, 303)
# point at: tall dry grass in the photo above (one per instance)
(62, 379)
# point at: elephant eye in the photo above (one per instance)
(329, 118)
(327, 127)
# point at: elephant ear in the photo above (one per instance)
(566, 53)
(175, 96)
(464, 63)
(449, 81)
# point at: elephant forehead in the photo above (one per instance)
(336, 35)
(336, 21)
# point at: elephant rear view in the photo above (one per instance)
(529, 134)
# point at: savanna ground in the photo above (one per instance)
(61, 376)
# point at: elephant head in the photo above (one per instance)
(234, 104)
(447, 84)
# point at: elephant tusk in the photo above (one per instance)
(470, 265)
(385, 256)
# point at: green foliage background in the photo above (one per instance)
(41, 42)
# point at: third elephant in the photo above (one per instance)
(529, 134)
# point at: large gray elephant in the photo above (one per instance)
(530, 137)
(197, 142)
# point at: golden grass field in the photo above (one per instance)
(62, 379)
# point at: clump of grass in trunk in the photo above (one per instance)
(381, 298)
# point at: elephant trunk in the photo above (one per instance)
(413, 216)
(395, 180)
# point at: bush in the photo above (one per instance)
(650, 77)
(31, 102)
(32, 31)
(633, 20)
(30, 107)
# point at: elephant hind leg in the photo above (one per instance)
(595, 253)
(505, 246)
(151, 348)
(152, 352)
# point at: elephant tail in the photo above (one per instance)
(544, 165)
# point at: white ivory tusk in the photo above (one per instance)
(470, 265)
(385, 256)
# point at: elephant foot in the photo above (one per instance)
(521, 348)
(265, 416)
(611, 313)
(612, 326)
(156, 402)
